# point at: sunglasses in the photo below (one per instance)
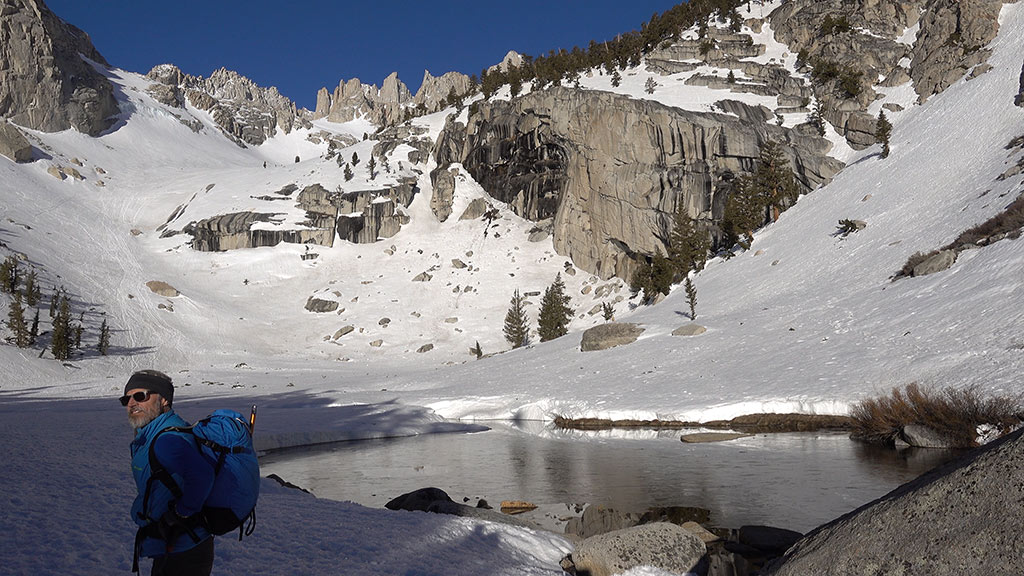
(140, 396)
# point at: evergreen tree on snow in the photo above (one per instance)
(517, 327)
(688, 246)
(555, 312)
(883, 129)
(63, 332)
(691, 297)
(16, 322)
(104, 344)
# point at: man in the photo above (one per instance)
(172, 487)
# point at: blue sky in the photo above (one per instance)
(302, 46)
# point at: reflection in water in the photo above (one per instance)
(795, 481)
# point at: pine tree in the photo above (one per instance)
(477, 350)
(744, 213)
(372, 165)
(616, 78)
(653, 277)
(691, 297)
(54, 299)
(607, 311)
(555, 313)
(31, 288)
(355, 159)
(517, 328)
(688, 246)
(9, 275)
(104, 344)
(348, 172)
(650, 85)
(817, 119)
(883, 129)
(62, 339)
(16, 322)
(33, 333)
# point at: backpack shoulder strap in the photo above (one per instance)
(157, 472)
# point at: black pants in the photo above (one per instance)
(196, 561)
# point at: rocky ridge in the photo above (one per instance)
(392, 102)
(245, 112)
(46, 83)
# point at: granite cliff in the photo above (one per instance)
(46, 81)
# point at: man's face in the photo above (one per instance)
(142, 413)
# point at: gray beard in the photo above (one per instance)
(141, 419)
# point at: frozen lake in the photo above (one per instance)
(796, 481)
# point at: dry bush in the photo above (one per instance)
(953, 412)
(1009, 221)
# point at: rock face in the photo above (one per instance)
(609, 335)
(611, 170)
(950, 42)
(245, 112)
(360, 217)
(13, 143)
(963, 515)
(661, 545)
(45, 84)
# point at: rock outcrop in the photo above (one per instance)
(359, 216)
(13, 143)
(868, 46)
(965, 515)
(45, 83)
(245, 112)
(611, 170)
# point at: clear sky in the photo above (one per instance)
(304, 45)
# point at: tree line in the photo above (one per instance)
(26, 299)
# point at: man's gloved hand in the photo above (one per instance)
(171, 525)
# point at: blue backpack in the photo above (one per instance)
(224, 438)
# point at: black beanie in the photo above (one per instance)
(154, 382)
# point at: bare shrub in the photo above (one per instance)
(1009, 222)
(954, 412)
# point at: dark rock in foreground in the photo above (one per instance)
(961, 518)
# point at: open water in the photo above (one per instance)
(796, 481)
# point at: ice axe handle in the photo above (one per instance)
(252, 420)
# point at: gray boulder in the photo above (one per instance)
(418, 500)
(689, 330)
(963, 517)
(314, 304)
(13, 143)
(925, 437)
(937, 263)
(660, 545)
(476, 209)
(609, 335)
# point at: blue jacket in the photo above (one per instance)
(193, 473)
